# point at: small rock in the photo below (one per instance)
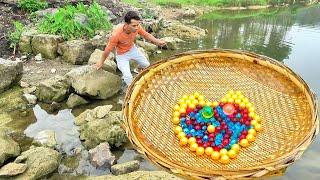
(10, 73)
(38, 72)
(38, 57)
(23, 57)
(24, 113)
(81, 18)
(46, 44)
(24, 84)
(8, 147)
(75, 100)
(12, 169)
(149, 47)
(159, 52)
(31, 99)
(46, 138)
(53, 71)
(29, 90)
(109, 64)
(18, 59)
(101, 156)
(125, 167)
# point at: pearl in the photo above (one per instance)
(225, 159)
(193, 147)
(208, 151)
(232, 153)
(200, 151)
(178, 129)
(192, 140)
(183, 141)
(176, 120)
(215, 155)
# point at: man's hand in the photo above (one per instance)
(99, 64)
(161, 43)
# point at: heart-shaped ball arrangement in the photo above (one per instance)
(217, 129)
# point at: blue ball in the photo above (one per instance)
(186, 130)
(204, 127)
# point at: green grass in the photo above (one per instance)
(237, 15)
(32, 5)
(63, 23)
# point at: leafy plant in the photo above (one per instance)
(32, 5)
(63, 21)
(15, 35)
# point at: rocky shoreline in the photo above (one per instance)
(58, 75)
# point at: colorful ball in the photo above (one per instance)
(200, 151)
(215, 155)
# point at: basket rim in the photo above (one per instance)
(278, 163)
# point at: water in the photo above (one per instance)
(290, 35)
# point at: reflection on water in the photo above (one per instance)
(290, 35)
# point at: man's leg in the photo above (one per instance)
(124, 66)
(138, 56)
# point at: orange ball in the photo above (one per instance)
(225, 159)
(192, 140)
(183, 141)
(193, 147)
(215, 155)
(244, 142)
(210, 128)
(232, 153)
(200, 151)
(208, 151)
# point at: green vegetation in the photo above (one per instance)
(15, 35)
(63, 21)
(237, 15)
(32, 5)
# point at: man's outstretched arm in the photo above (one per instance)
(111, 44)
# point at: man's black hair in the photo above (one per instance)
(131, 15)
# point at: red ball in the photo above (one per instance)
(247, 123)
(189, 122)
(199, 106)
(188, 110)
(199, 141)
(227, 136)
(205, 145)
(225, 142)
(228, 109)
(245, 110)
(242, 136)
(183, 115)
(244, 132)
(197, 127)
(218, 128)
(216, 148)
(211, 135)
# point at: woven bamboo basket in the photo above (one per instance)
(287, 106)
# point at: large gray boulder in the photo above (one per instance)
(55, 89)
(109, 64)
(76, 51)
(25, 40)
(179, 30)
(41, 161)
(101, 125)
(46, 44)
(97, 84)
(8, 147)
(10, 73)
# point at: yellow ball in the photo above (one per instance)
(225, 159)
(210, 128)
(181, 135)
(202, 103)
(232, 153)
(176, 107)
(215, 155)
(230, 100)
(184, 106)
(188, 101)
(234, 96)
(192, 97)
(193, 147)
(250, 137)
(196, 94)
(231, 92)
(200, 151)
(251, 109)
(176, 120)
(201, 98)
(208, 151)
(238, 93)
(215, 104)
(238, 101)
(181, 101)
(176, 114)
(258, 127)
(196, 102)
(252, 131)
(223, 151)
(177, 129)
(240, 96)
(257, 118)
(185, 97)
(251, 114)
(183, 141)
(228, 96)
(253, 122)
(192, 140)
(242, 105)
(235, 147)
(208, 104)
(192, 106)
(249, 105)
(224, 100)
(245, 100)
(244, 142)
(182, 110)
